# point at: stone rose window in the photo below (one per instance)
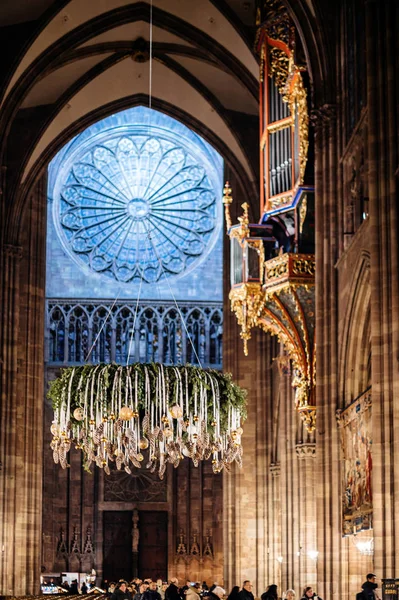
(137, 202)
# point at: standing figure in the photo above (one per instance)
(270, 593)
(369, 588)
(309, 594)
(246, 592)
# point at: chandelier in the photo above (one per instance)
(147, 414)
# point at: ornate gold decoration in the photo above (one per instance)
(279, 63)
(241, 231)
(227, 200)
(278, 125)
(275, 43)
(302, 212)
(274, 19)
(262, 63)
(281, 303)
(280, 201)
(289, 268)
(283, 363)
(246, 301)
(297, 98)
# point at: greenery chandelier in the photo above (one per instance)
(147, 414)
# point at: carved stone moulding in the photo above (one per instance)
(12, 251)
(194, 551)
(305, 450)
(275, 469)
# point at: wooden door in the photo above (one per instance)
(153, 544)
(118, 555)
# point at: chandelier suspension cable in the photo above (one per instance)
(103, 325)
(134, 322)
(174, 299)
(147, 256)
(150, 82)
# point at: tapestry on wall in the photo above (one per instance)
(356, 439)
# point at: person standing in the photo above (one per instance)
(246, 592)
(234, 594)
(193, 592)
(139, 595)
(152, 593)
(121, 592)
(270, 593)
(217, 593)
(184, 589)
(83, 589)
(369, 588)
(309, 594)
(172, 591)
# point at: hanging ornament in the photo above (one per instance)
(176, 411)
(78, 414)
(121, 412)
(126, 413)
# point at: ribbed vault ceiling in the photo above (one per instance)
(81, 57)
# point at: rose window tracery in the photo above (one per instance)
(137, 206)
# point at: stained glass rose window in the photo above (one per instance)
(137, 205)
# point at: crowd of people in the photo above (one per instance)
(148, 589)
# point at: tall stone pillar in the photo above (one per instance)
(250, 529)
(327, 458)
(382, 22)
(9, 316)
(307, 535)
(21, 410)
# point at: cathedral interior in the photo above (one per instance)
(210, 183)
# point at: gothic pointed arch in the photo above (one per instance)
(355, 361)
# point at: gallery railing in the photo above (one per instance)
(157, 332)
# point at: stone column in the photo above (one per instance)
(307, 537)
(251, 494)
(382, 20)
(21, 411)
(10, 467)
(327, 467)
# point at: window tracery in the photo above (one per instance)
(136, 206)
(156, 334)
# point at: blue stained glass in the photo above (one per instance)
(138, 201)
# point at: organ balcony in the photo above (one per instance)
(273, 284)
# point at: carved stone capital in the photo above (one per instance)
(12, 251)
(275, 469)
(305, 450)
(323, 116)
